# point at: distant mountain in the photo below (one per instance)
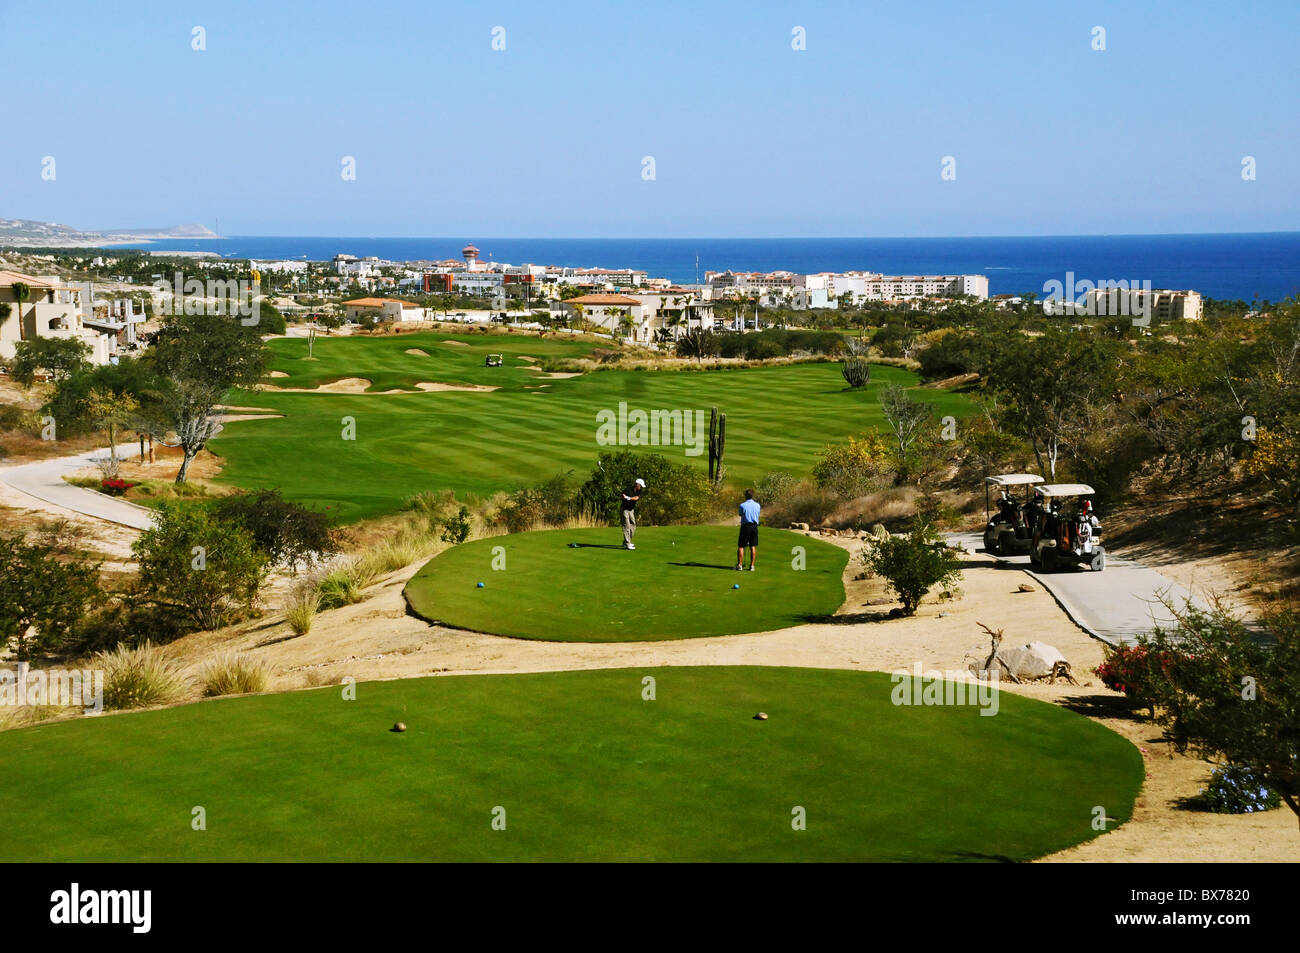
(27, 232)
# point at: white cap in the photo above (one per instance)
(640, 482)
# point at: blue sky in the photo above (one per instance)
(749, 136)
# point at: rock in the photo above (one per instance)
(761, 716)
(1024, 587)
(1034, 660)
(399, 727)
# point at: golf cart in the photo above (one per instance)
(494, 360)
(1007, 532)
(1064, 533)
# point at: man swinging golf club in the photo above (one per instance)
(627, 509)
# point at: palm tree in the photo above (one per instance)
(22, 292)
(626, 323)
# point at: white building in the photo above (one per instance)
(57, 310)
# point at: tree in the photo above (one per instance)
(41, 597)
(698, 343)
(200, 357)
(59, 357)
(1226, 693)
(111, 409)
(22, 293)
(1049, 383)
(909, 420)
(285, 531)
(195, 563)
(913, 563)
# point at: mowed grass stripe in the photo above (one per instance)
(584, 767)
(778, 418)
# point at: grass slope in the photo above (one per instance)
(584, 768)
(676, 585)
(778, 418)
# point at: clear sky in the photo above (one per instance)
(749, 136)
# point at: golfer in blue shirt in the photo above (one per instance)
(749, 512)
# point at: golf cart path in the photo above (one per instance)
(44, 481)
(1115, 605)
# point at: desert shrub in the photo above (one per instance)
(207, 568)
(138, 677)
(288, 532)
(337, 589)
(675, 492)
(936, 510)
(1132, 670)
(856, 371)
(775, 487)
(125, 621)
(455, 527)
(234, 674)
(552, 504)
(1228, 692)
(911, 564)
(301, 606)
(270, 319)
(1236, 789)
(852, 469)
(42, 597)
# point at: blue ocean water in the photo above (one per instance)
(1249, 266)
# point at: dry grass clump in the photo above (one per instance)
(139, 677)
(234, 674)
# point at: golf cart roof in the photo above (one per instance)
(1065, 489)
(1013, 479)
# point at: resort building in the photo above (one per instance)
(52, 309)
(385, 309)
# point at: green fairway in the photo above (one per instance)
(677, 584)
(778, 418)
(384, 361)
(583, 767)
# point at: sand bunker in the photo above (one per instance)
(525, 357)
(416, 350)
(277, 374)
(456, 343)
(426, 385)
(348, 385)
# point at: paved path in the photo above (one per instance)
(1115, 605)
(44, 480)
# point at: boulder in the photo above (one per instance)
(1034, 660)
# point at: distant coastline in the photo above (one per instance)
(1249, 266)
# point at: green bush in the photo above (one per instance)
(207, 568)
(675, 492)
(1236, 789)
(913, 563)
(287, 532)
(854, 468)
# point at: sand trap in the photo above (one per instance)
(562, 375)
(348, 385)
(525, 357)
(426, 385)
(456, 343)
(416, 350)
(231, 409)
(235, 418)
(277, 374)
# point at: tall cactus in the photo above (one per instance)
(856, 371)
(717, 444)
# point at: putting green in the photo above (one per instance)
(679, 583)
(578, 765)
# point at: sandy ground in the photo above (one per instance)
(416, 351)
(377, 639)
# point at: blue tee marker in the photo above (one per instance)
(480, 585)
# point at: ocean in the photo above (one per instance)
(1249, 266)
